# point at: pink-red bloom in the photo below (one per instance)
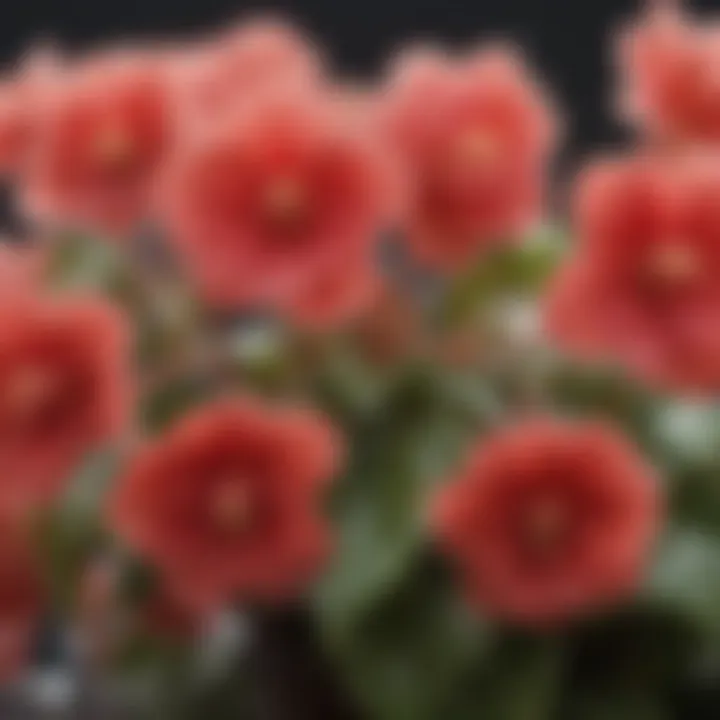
(22, 97)
(273, 196)
(21, 269)
(65, 389)
(642, 287)
(17, 124)
(548, 520)
(475, 135)
(671, 76)
(229, 70)
(227, 504)
(106, 130)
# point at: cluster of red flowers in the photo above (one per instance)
(641, 288)
(273, 182)
(66, 388)
(273, 185)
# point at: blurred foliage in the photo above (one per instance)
(515, 270)
(406, 644)
(392, 625)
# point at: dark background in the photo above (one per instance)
(567, 39)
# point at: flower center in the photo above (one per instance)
(29, 392)
(114, 147)
(476, 149)
(231, 507)
(545, 525)
(285, 201)
(674, 264)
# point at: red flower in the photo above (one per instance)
(475, 135)
(671, 77)
(21, 269)
(105, 134)
(273, 196)
(17, 123)
(218, 75)
(549, 520)
(21, 109)
(227, 503)
(642, 288)
(64, 389)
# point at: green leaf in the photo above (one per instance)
(629, 664)
(390, 618)
(405, 659)
(689, 432)
(693, 493)
(514, 270)
(348, 384)
(84, 498)
(163, 405)
(603, 392)
(80, 262)
(381, 505)
(73, 530)
(519, 680)
(686, 441)
(685, 578)
(470, 395)
(619, 706)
